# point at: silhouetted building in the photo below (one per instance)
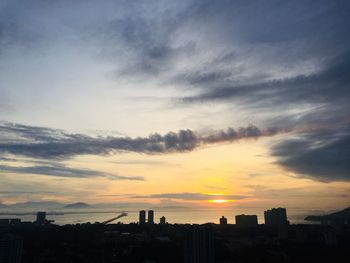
(142, 217)
(41, 218)
(276, 218)
(9, 222)
(330, 237)
(246, 221)
(223, 221)
(10, 249)
(4, 222)
(15, 221)
(199, 246)
(162, 220)
(335, 221)
(150, 217)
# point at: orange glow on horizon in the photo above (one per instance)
(220, 201)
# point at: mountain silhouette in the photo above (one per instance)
(77, 205)
(341, 214)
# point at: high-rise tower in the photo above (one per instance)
(142, 217)
(150, 217)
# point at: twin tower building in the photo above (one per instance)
(142, 217)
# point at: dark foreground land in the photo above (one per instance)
(168, 243)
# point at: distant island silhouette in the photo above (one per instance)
(343, 214)
(78, 205)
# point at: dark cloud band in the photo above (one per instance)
(46, 143)
(322, 155)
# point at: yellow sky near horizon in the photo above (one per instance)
(243, 168)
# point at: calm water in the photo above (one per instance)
(181, 217)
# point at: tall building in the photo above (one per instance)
(41, 218)
(223, 221)
(276, 218)
(246, 221)
(199, 245)
(162, 220)
(150, 217)
(10, 249)
(142, 217)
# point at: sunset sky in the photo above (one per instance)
(176, 103)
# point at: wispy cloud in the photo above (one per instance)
(145, 162)
(191, 196)
(287, 65)
(61, 170)
(25, 192)
(325, 95)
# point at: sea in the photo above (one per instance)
(172, 216)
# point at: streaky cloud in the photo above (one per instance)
(46, 143)
(60, 170)
(191, 196)
(326, 86)
(25, 192)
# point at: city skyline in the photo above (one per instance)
(218, 105)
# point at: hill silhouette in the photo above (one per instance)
(78, 205)
(345, 213)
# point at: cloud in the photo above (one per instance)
(191, 196)
(254, 175)
(25, 192)
(47, 143)
(5, 159)
(145, 162)
(60, 170)
(311, 104)
(328, 87)
(267, 57)
(322, 155)
(206, 42)
(265, 192)
(285, 63)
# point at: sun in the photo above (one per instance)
(219, 201)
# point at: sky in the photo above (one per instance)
(176, 103)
